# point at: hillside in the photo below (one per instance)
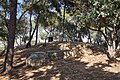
(85, 62)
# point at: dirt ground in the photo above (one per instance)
(92, 64)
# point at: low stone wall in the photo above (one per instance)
(36, 59)
(57, 54)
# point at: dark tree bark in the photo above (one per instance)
(89, 37)
(30, 23)
(8, 63)
(29, 42)
(111, 38)
(26, 11)
(36, 35)
(104, 35)
(79, 37)
(63, 21)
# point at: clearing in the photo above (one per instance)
(86, 62)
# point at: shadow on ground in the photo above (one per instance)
(65, 69)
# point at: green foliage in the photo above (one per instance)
(3, 30)
(100, 13)
(71, 29)
(55, 4)
(25, 38)
(3, 34)
(43, 35)
(23, 27)
(96, 14)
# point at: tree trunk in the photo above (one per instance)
(47, 35)
(30, 33)
(20, 40)
(112, 45)
(29, 42)
(63, 22)
(89, 37)
(30, 23)
(8, 63)
(36, 35)
(79, 37)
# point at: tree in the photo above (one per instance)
(102, 16)
(22, 28)
(36, 28)
(3, 30)
(46, 14)
(8, 64)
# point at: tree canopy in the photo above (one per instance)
(71, 19)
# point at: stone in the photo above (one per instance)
(56, 54)
(35, 59)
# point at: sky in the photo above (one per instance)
(20, 1)
(19, 8)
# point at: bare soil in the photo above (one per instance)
(92, 64)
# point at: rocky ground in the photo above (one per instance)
(85, 62)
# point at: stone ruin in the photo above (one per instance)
(35, 59)
(68, 50)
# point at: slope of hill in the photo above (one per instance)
(91, 64)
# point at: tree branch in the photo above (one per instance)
(99, 31)
(26, 11)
